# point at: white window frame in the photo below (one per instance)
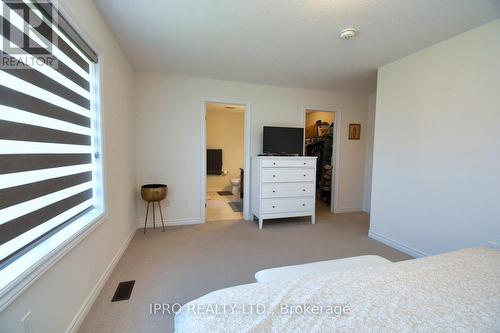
(19, 275)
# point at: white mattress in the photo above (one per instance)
(296, 271)
(453, 292)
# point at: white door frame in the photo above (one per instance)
(203, 153)
(334, 203)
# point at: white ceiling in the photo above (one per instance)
(290, 43)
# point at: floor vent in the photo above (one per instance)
(123, 291)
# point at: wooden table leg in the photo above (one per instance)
(161, 214)
(154, 219)
(146, 219)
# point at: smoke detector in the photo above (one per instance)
(348, 33)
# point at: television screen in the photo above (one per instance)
(283, 140)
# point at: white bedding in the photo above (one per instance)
(457, 291)
(319, 267)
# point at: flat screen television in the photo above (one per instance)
(283, 140)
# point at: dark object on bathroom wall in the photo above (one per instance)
(152, 193)
(214, 162)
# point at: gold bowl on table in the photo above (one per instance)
(153, 192)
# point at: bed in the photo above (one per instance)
(457, 291)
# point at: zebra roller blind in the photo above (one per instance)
(46, 125)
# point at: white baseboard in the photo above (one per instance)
(397, 245)
(84, 310)
(169, 223)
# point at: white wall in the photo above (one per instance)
(225, 129)
(369, 133)
(57, 296)
(174, 157)
(436, 174)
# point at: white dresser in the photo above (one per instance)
(283, 187)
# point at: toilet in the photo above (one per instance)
(235, 183)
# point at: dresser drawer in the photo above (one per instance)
(288, 175)
(290, 163)
(285, 205)
(273, 190)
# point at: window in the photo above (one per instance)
(49, 138)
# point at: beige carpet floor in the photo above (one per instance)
(186, 262)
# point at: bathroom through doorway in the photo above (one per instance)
(225, 161)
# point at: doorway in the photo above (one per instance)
(321, 140)
(225, 159)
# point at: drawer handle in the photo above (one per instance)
(274, 163)
(304, 175)
(303, 205)
(274, 206)
(305, 163)
(274, 176)
(274, 191)
(303, 190)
